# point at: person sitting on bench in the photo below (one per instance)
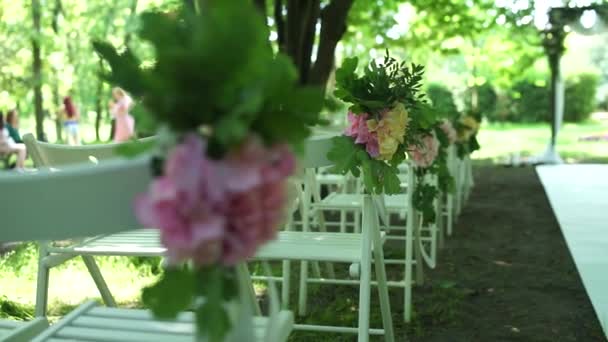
(8, 145)
(12, 125)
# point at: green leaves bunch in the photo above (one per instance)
(217, 70)
(380, 87)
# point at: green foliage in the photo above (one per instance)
(14, 311)
(381, 85)
(530, 103)
(216, 286)
(466, 148)
(378, 176)
(486, 100)
(580, 97)
(192, 83)
(173, 292)
(446, 181)
(423, 197)
(442, 99)
(178, 287)
(134, 148)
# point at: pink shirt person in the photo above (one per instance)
(125, 124)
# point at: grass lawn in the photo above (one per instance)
(499, 140)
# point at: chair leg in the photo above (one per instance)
(357, 220)
(316, 269)
(409, 248)
(369, 217)
(106, 295)
(450, 214)
(364, 295)
(385, 306)
(42, 286)
(418, 252)
(303, 290)
(441, 222)
(409, 244)
(245, 276)
(286, 284)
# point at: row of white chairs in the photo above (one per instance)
(358, 249)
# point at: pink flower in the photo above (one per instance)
(447, 128)
(217, 210)
(424, 153)
(372, 147)
(253, 218)
(359, 130)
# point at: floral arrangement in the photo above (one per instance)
(448, 129)
(385, 121)
(467, 127)
(430, 156)
(389, 120)
(232, 124)
(424, 154)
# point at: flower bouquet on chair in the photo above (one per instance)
(467, 127)
(386, 115)
(230, 116)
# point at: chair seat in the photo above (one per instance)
(14, 331)
(336, 201)
(90, 322)
(330, 179)
(336, 247)
(140, 242)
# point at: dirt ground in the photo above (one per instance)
(509, 257)
(505, 275)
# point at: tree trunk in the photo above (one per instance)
(296, 35)
(261, 6)
(56, 98)
(57, 113)
(98, 102)
(302, 16)
(333, 27)
(37, 69)
(98, 105)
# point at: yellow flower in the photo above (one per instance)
(471, 123)
(397, 120)
(390, 130)
(470, 126)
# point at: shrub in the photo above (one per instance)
(442, 99)
(530, 102)
(486, 100)
(580, 97)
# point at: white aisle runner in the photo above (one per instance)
(579, 197)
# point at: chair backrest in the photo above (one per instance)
(86, 200)
(78, 201)
(317, 147)
(55, 155)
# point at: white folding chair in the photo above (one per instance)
(141, 243)
(105, 196)
(360, 249)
